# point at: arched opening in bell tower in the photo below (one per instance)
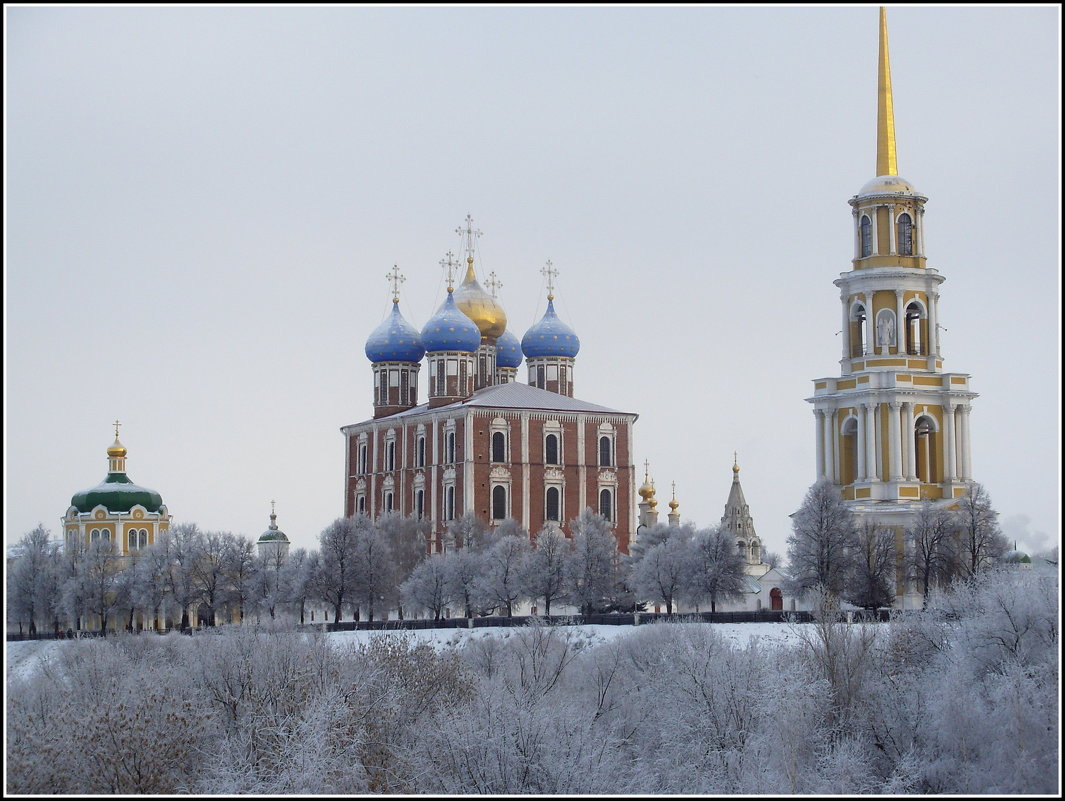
(914, 338)
(905, 235)
(924, 448)
(857, 332)
(867, 236)
(848, 451)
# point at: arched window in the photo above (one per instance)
(362, 458)
(914, 344)
(499, 502)
(552, 503)
(144, 538)
(848, 468)
(756, 553)
(541, 382)
(606, 504)
(551, 449)
(450, 446)
(388, 501)
(404, 387)
(858, 343)
(905, 235)
(419, 504)
(606, 458)
(499, 447)
(94, 535)
(449, 503)
(360, 504)
(440, 377)
(867, 237)
(420, 451)
(924, 449)
(391, 459)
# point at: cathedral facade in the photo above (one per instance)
(483, 442)
(892, 430)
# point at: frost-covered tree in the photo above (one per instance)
(501, 581)
(468, 531)
(241, 576)
(32, 580)
(374, 583)
(542, 569)
(209, 571)
(428, 586)
(980, 540)
(181, 548)
(659, 571)
(821, 549)
(102, 586)
(588, 571)
(407, 540)
(931, 549)
(872, 580)
(335, 579)
(297, 574)
(715, 568)
(464, 568)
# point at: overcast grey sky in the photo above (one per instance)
(202, 204)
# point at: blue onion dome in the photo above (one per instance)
(450, 329)
(394, 340)
(550, 337)
(508, 350)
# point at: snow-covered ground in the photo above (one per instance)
(25, 658)
(738, 633)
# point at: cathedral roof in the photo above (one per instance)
(394, 340)
(514, 395)
(450, 329)
(550, 337)
(508, 350)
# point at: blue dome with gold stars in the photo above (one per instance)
(508, 350)
(450, 329)
(550, 337)
(394, 340)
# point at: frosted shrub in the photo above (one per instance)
(104, 719)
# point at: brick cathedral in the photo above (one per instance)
(483, 442)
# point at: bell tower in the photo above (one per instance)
(893, 428)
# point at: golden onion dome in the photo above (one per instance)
(117, 451)
(479, 306)
(646, 490)
(673, 504)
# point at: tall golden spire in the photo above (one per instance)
(885, 114)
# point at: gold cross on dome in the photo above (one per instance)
(271, 507)
(550, 273)
(395, 279)
(493, 283)
(471, 235)
(646, 468)
(449, 264)
(116, 425)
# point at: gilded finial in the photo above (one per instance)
(885, 114)
(449, 264)
(550, 273)
(395, 279)
(493, 283)
(273, 516)
(673, 503)
(117, 449)
(116, 424)
(735, 464)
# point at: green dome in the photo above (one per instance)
(273, 535)
(117, 493)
